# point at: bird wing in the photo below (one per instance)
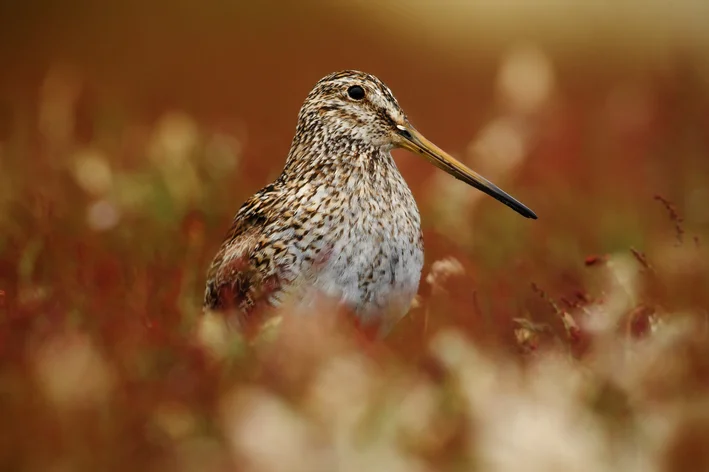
(238, 277)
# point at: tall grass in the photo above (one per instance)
(578, 342)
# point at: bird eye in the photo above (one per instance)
(355, 92)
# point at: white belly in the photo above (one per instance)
(366, 250)
(372, 265)
(375, 278)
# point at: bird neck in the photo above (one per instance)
(328, 155)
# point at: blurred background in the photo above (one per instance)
(131, 132)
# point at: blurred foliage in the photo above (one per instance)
(129, 137)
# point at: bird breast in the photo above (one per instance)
(360, 243)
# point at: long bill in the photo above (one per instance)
(417, 143)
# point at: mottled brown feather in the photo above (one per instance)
(339, 221)
(235, 278)
(339, 184)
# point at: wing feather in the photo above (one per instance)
(237, 278)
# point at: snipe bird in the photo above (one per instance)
(340, 220)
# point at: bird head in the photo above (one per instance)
(356, 109)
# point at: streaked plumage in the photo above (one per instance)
(340, 220)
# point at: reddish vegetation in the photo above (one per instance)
(523, 351)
